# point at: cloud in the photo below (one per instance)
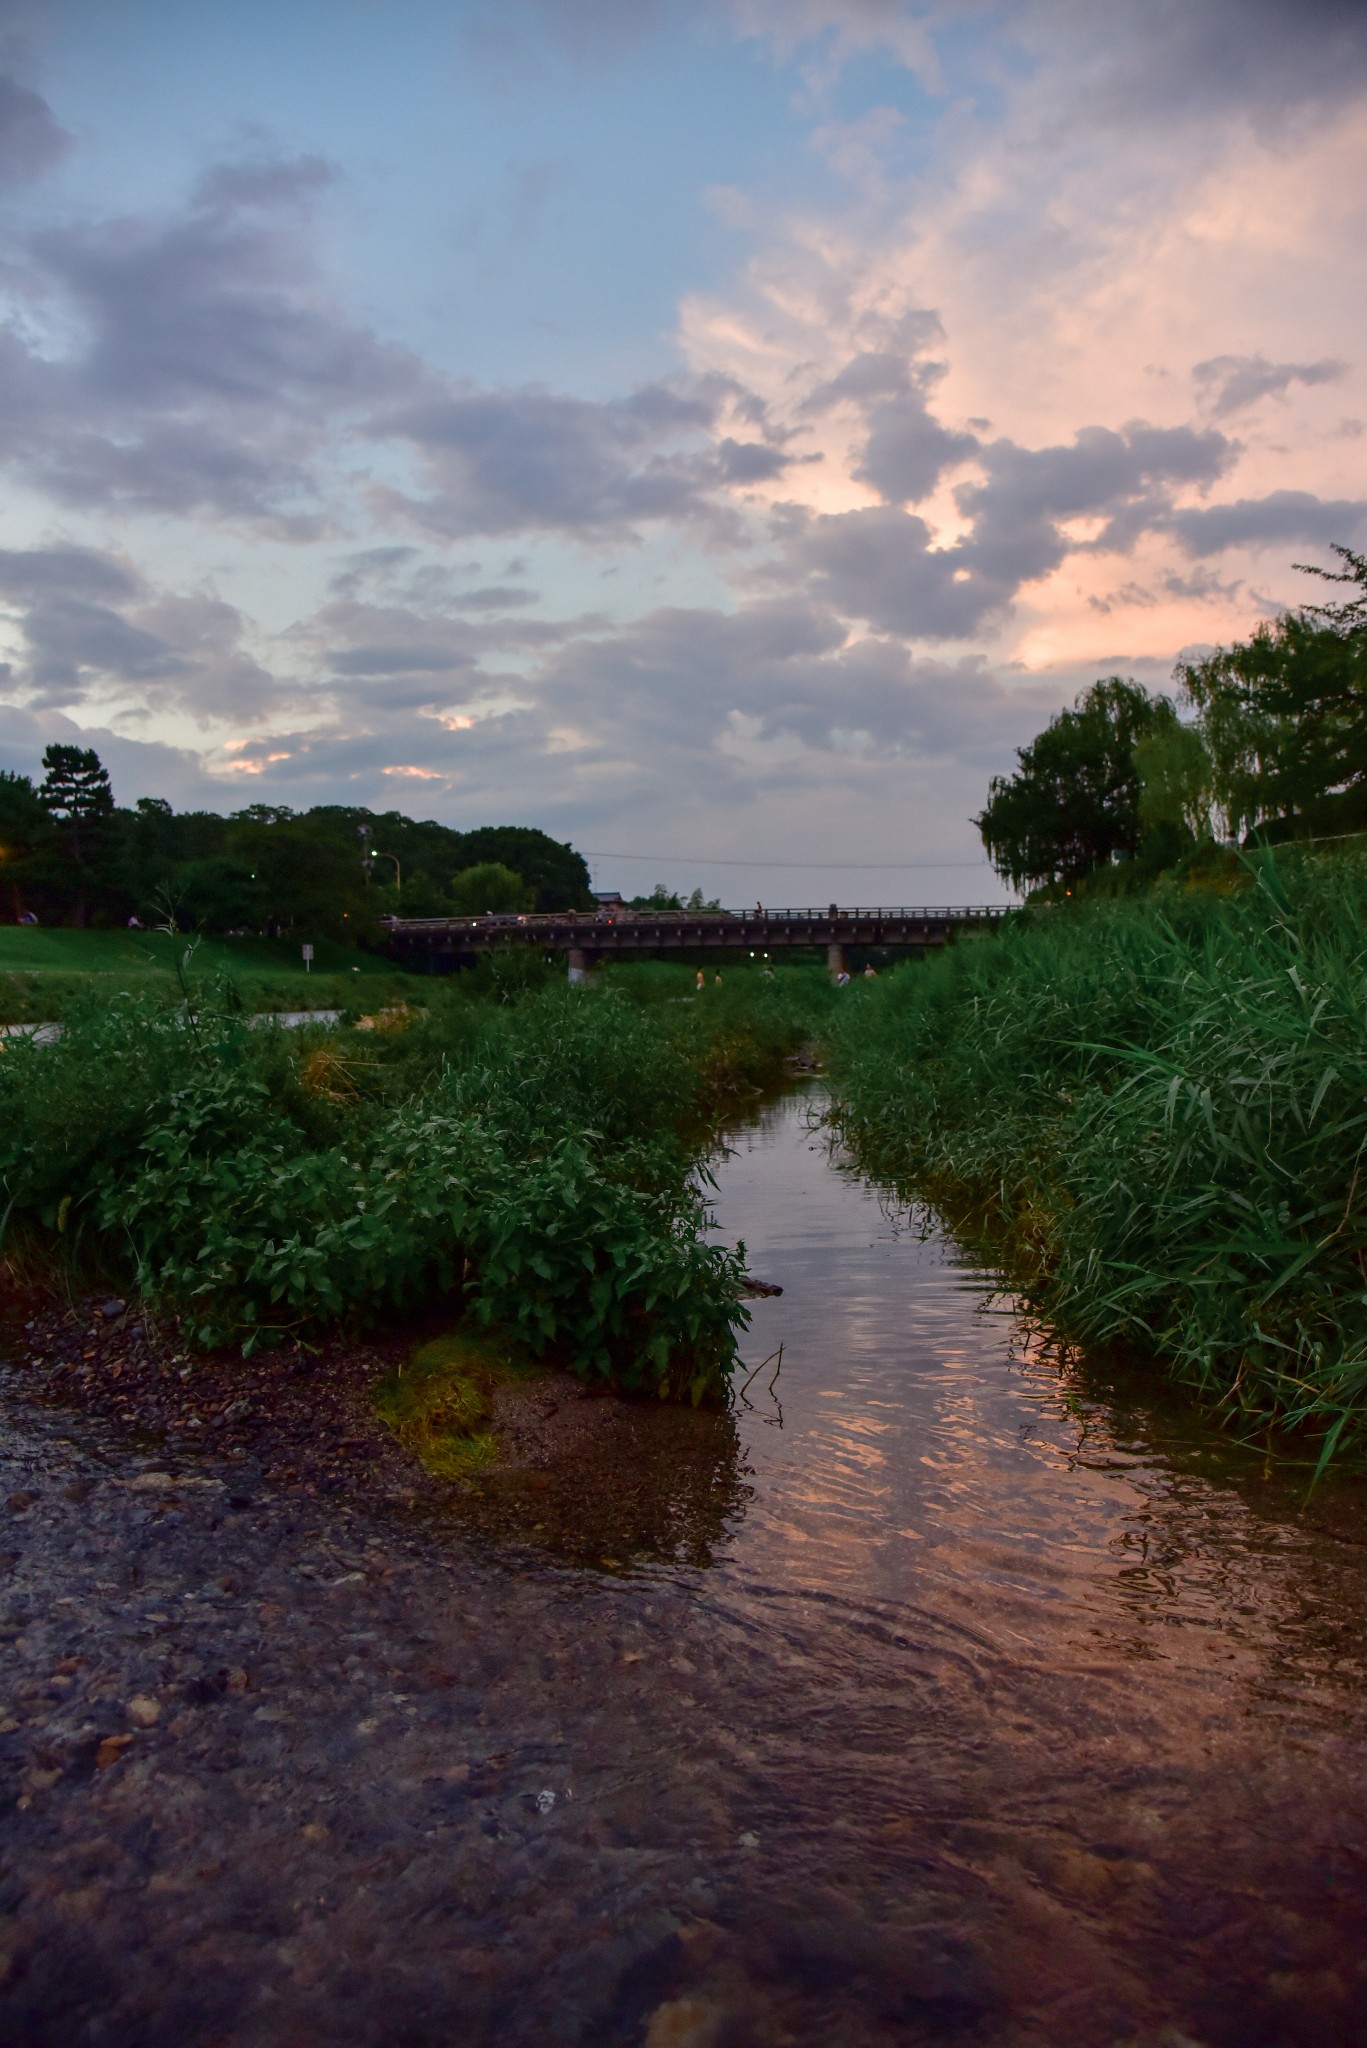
(883, 565)
(137, 767)
(89, 629)
(521, 461)
(1126, 477)
(880, 565)
(1259, 522)
(1130, 64)
(1167, 60)
(31, 142)
(194, 363)
(906, 450)
(1229, 384)
(85, 573)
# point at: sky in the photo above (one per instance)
(717, 433)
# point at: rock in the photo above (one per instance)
(143, 1711)
(17, 1502)
(684, 2023)
(110, 1750)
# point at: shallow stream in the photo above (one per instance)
(934, 1693)
(1051, 1644)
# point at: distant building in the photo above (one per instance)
(610, 899)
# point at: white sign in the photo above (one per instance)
(308, 958)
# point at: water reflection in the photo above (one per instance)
(931, 1442)
(967, 1689)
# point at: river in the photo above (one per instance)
(938, 1691)
(1073, 1672)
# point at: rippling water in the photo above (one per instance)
(1039, 1705)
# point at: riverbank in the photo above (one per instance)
(1153, 1114)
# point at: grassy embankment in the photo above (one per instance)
(524, 1154)
(43, 970)
(1156, 1112)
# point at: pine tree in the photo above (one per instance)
(75, 793)
(75, 790)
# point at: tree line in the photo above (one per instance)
(1266, 739)
(70, 855)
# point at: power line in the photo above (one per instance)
(862, 867)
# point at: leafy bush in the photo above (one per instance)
(1161, 1109)
(530, 1159)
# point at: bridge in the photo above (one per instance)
(587, 936)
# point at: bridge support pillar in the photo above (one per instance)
(579, 964)
(835, 960)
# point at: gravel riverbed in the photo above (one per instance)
(286, 1761)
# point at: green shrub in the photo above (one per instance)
(530, 1160)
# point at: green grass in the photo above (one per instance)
(43, 970)
(1156, 1113)
(439, 1403)
(38, 949)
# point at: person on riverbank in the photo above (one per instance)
(701, 982)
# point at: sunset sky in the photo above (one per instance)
(715, 433)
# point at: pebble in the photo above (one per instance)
(143, 1711)
(684, 2023)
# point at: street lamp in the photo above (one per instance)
(370, 854)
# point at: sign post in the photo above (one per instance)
(308, 959)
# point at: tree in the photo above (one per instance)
(489, 886)
(1284, 717)
(661, 898)
(1352, 614)
(559, 875)
(75, 793)
(1073, 803)
(25, 828)
(1175, 783)
(304, 883)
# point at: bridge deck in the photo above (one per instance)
(595, 933)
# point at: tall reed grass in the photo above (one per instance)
(1157, 1113)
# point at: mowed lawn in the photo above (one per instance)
(42, 969)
